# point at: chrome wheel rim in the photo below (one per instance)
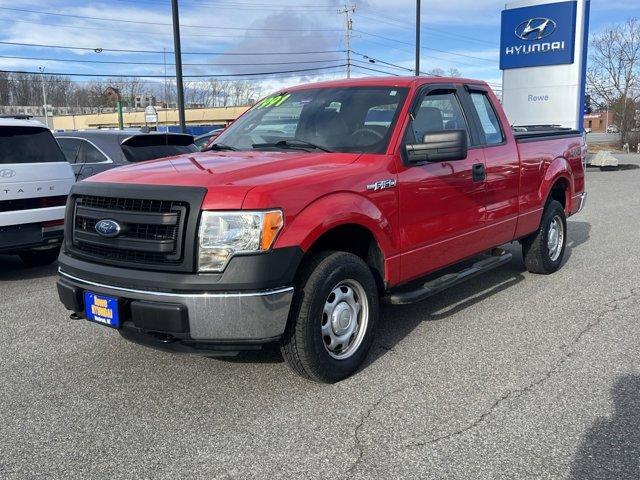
(344, 319)
(555, 238)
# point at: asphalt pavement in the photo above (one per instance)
(602, 138)
(511, 375)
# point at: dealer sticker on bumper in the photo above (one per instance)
(101, 309)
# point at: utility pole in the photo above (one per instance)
(178, 53)
(44, 97)
(348, 10)
(417, 38)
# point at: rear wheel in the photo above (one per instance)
(543, 251)
(333, 317)
(39, 258)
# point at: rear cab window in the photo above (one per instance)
(489, 122)
(28, 145)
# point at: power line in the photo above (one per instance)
(397, 22)
(142, 22)
(100, 50)
(448, 52)
(115, 75)
(377, 70)
(120, 62)
(245, 6)
(163, 34)
(456, 63)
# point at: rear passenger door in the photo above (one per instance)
(441, 203)
(502, 165)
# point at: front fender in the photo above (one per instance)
(333, 211)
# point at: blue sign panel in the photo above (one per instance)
(538, 35)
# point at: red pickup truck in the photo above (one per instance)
(315, 205)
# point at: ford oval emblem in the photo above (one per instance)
(108, 228)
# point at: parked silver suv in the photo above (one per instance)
(35, 179)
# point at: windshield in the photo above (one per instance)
(348, 119)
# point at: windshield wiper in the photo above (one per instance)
(293, 143)
(220, 146)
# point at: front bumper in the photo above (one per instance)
(33, 236)
(188, 319)
(583, 201)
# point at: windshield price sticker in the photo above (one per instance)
(275, 101)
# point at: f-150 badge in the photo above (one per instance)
(381, 184)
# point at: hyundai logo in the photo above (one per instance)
(7, 173)
(108, 228)
(535, 28)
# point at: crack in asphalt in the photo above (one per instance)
(569, 351)
(356, 432)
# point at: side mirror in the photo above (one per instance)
(439, 146)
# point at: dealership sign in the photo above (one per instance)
(538, 35)
(543, 54)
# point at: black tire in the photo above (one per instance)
(39, 258)
(535, 249)
(303, 344)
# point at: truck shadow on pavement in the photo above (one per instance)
(579, 233)
(12, 269)
(397, 322)
(611, 447)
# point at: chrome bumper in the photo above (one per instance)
(583, 201)
(227, 317)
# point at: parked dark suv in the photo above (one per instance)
(94, 151)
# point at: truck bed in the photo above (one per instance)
(535, 133)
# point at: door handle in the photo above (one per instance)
(479, 173)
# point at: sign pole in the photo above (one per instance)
(178, 55)
(417, 38)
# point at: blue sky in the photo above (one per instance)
(243, 36)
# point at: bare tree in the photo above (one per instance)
(613, 78)
(440, 72)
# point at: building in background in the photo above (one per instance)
(144, 100)
(598, 122)
(221, 116)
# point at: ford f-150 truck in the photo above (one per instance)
(315, 205)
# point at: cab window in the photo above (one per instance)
(437, 112)
(489, 121)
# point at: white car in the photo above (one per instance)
(35, 179)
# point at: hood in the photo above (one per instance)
(228, 176)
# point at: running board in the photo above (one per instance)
(498, 257)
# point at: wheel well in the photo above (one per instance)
(357, 240)
(559, 192)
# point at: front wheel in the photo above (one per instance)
(543, 251)
(333, 317)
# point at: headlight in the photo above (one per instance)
(225, 234)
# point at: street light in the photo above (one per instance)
(44, 97)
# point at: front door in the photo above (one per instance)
(441, 204)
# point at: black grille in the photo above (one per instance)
(130, 204)
(152, 231)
